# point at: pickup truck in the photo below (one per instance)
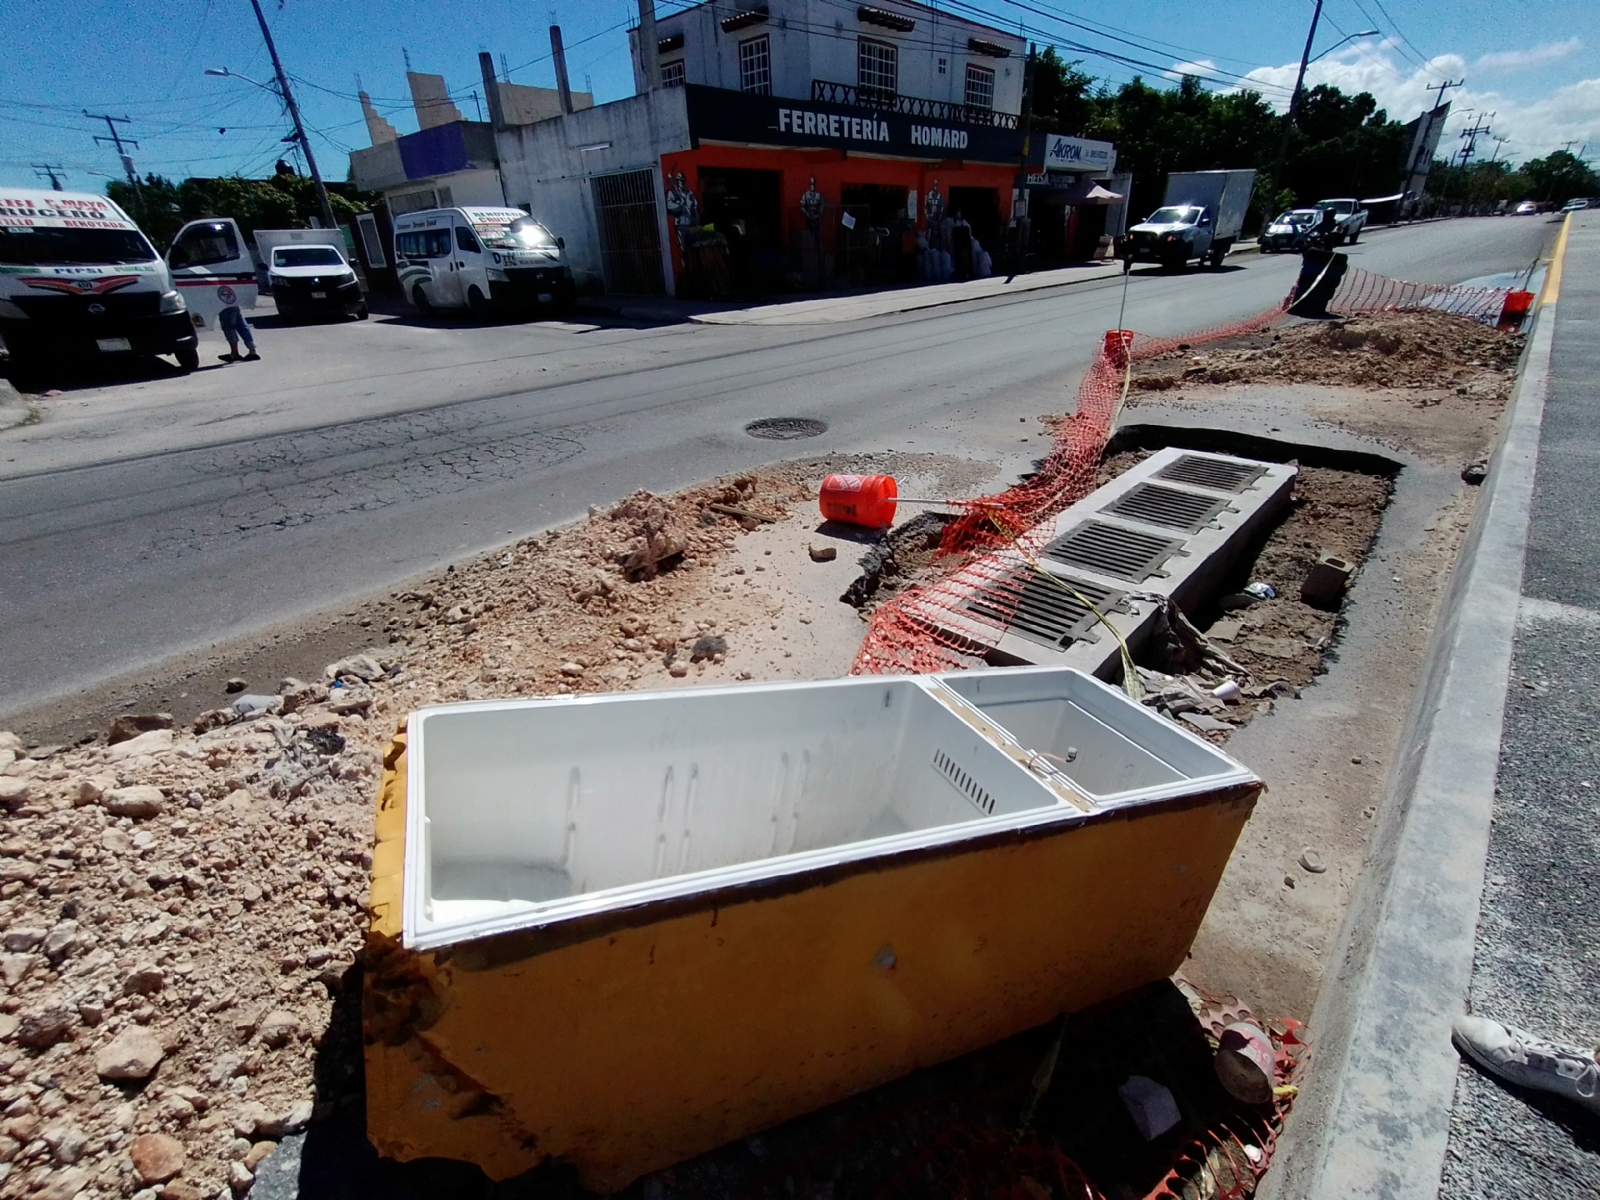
(1350, 218)
(1199, 219)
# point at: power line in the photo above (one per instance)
(1395, 25)
(48, 171)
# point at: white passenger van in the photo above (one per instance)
(480, 259)
(213, 268)
(77, 277)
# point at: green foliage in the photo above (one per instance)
(282, 202)
(1559, 177)
(1341, 145)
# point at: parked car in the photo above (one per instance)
(1350, 217)
(309, 275)
(1289, 231)
(1526, 209)
(1575, 204)
(78, 279)
(481, 259)
(1199, 219)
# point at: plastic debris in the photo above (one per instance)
(1262, 591)
(1245, 1062)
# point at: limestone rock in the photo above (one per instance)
(290, 1121)
(130, 725)
(357, 666)
(157, 1157)
(20, 941)
(92, 788)
(40, 1031)
(135, 1053)
(14, 791)
(64, 1184)
(141, 800)
(157, 741)
(279, 1027)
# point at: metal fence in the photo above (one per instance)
(630, 233)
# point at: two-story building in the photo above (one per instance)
(796, 144)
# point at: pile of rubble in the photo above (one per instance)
(1426, 350)
(179, 907)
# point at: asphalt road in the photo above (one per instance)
(145, 518)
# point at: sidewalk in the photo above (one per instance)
(1537, 961)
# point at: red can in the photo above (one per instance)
(865, 500)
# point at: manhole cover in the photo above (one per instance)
(786, 429)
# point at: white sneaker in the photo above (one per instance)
(1520, 1058)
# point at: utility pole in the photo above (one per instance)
(1294, 104)
(1471, 137)
(47, 171)
(1024, 223)
(294, 115)
(116, 140)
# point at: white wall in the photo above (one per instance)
(817, 39)
(545, 168)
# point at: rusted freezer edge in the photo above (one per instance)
(628, 1041)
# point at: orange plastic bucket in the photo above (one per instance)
(866, 500)
(1117, 343)
(1515, 310)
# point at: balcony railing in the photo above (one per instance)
(826, 92)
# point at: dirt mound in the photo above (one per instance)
(1384, 350)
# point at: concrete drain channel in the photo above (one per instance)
(786, 429)
(1170, 527)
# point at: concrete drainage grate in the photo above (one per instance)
(1040, 609)
(1217, 474)
(1113, 550)
(786, 429)
(1157, 505)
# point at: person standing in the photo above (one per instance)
(235, 328)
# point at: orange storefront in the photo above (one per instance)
(846, 195)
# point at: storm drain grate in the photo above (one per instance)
(962, 782)
(1157, 505)
(1038, 607)
(1218, 474)
(1112, 550)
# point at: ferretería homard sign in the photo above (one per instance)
(718, 115)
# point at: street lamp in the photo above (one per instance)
(1348, 38)
(1299, 83)
(283, 93)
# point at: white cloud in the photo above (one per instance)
(1536, 56)
(1571, 113)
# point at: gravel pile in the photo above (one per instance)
(179, 906)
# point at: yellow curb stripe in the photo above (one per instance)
(1552, 277)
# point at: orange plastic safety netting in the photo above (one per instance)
(991, 549)
(1363, 292)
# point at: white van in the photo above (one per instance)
(78, 277)
(480, 259)
(309, 275)
(212, 265)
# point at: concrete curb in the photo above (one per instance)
(1373, 1118)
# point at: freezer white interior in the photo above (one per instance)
(524, 812)
(1109, 747)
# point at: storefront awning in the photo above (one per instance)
(1087, 191)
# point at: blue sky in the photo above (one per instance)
(1534, 63)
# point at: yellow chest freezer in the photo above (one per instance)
(621, 930)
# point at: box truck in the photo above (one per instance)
(1200, 219)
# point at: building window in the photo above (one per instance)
(980, 88)
(672, 73)
(877, 70)
(944, 66)
(755, 66)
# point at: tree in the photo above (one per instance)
(285, 201)
(1559, 177)
(1062, 102)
